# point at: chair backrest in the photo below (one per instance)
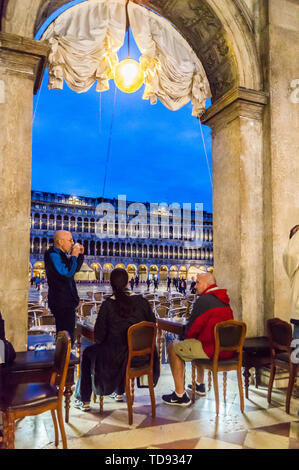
(141, 341)
(150, 296)
(280, 335)
(47, 320)
(162, 311)
(61, 360)
(35, 332)
(176, 303)
(86, 308)
(165, 304)
(229, 336)
(98, 296)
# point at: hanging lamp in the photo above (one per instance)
(128, 74)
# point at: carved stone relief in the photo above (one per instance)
(203, 30)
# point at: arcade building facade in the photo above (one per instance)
(154, 256)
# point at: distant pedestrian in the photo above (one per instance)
(156, 284)
(192, 286)
(132, 283)
(183, 286)
(148, 283)
(37, 283)
(168, 284)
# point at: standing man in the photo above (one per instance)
(291, 265)
(209, 309)
(60, 269)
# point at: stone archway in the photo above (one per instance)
(252, 213)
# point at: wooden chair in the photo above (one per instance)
(150, 296)
(86, 309)
(165, 304)
(44, 295)
(47, 320)
(280, 337)
(98, 296)
(141, 342)
(176, 303)
(36, 332)
(178, 311)
(229, 336)
(30, 399)
(162, 311)
(34, 315)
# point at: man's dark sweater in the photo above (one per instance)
(60, 270)
(62, 293)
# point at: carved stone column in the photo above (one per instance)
(22, 64)
(236, 121)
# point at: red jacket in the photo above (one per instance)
(202, 323)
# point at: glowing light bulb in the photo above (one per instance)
(129, 76)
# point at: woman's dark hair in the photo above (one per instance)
(119, 279)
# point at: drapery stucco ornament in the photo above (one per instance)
(85, 40)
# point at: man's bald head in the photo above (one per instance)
(63, 240)
(203, 281)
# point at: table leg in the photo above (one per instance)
(257, 377)
(159, 339)
(78, 354)
(246, 380)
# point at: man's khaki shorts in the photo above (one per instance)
(189, 349)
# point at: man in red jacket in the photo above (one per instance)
(210, 308)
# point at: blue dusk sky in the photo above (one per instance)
(156, 155)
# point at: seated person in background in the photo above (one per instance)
(103, 366)
(209, 309)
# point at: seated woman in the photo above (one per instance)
(103, 365)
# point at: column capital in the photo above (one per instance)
(23, 56)
(238, 102)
